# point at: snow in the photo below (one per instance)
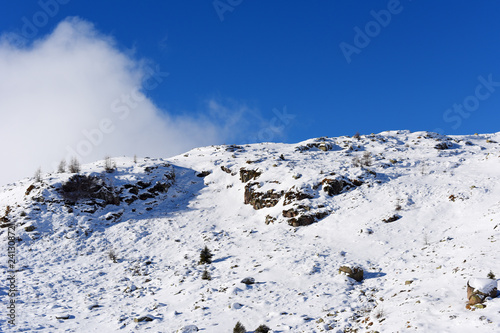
(483, 285)
(448, 202)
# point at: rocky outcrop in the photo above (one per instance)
(336, 186)
(295, 194)
(479, 289)
(247, 175)
(307, 219)
(80, 187)
(260, 200)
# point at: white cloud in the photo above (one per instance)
(74, 93)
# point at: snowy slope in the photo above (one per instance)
(446, 204)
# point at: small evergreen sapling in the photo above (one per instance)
(205, 256)
(239, 328)
(262, 329)
(206, 275)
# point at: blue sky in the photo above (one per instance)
(281, 69)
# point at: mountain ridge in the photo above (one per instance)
(418, 207)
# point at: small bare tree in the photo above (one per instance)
(109, 165)
(74, 165)
(112, 255)
(367, 159)
(38, 175)
(62, 166)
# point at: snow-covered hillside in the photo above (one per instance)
(419, 212)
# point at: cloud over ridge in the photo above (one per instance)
(74, 93)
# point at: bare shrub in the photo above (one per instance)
(80, 187)
(74, 165)
(38, 175)
(379, 314)
(109, 165)
(365, 160)
(62, 166)
(113, 256)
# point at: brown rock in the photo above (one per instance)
(355, 273)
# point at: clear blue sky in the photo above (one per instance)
(272, 54)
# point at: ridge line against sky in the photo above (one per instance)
(120, 78)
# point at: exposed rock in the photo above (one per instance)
(233, 148)
(188, 329)
(443, 145)
(159, 187)
(324, 146)
(261, 200)
(63, 316)
(143, 185)
(294, 194)
(131, 199)
(89, 187)
(478, 289)
(29, 228)
(247, 175)
(355, 273)
(392, 218)
(356, 182)
(203, 174)
(134, 190)
(5, 218)
(301, 221)
(145, 196)
(143, 319)
(29, 189)
(248, 280)
(307, 219)
(226, 170)
(270, 219)
(290, 213)
(170, 176)
(336, 186)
